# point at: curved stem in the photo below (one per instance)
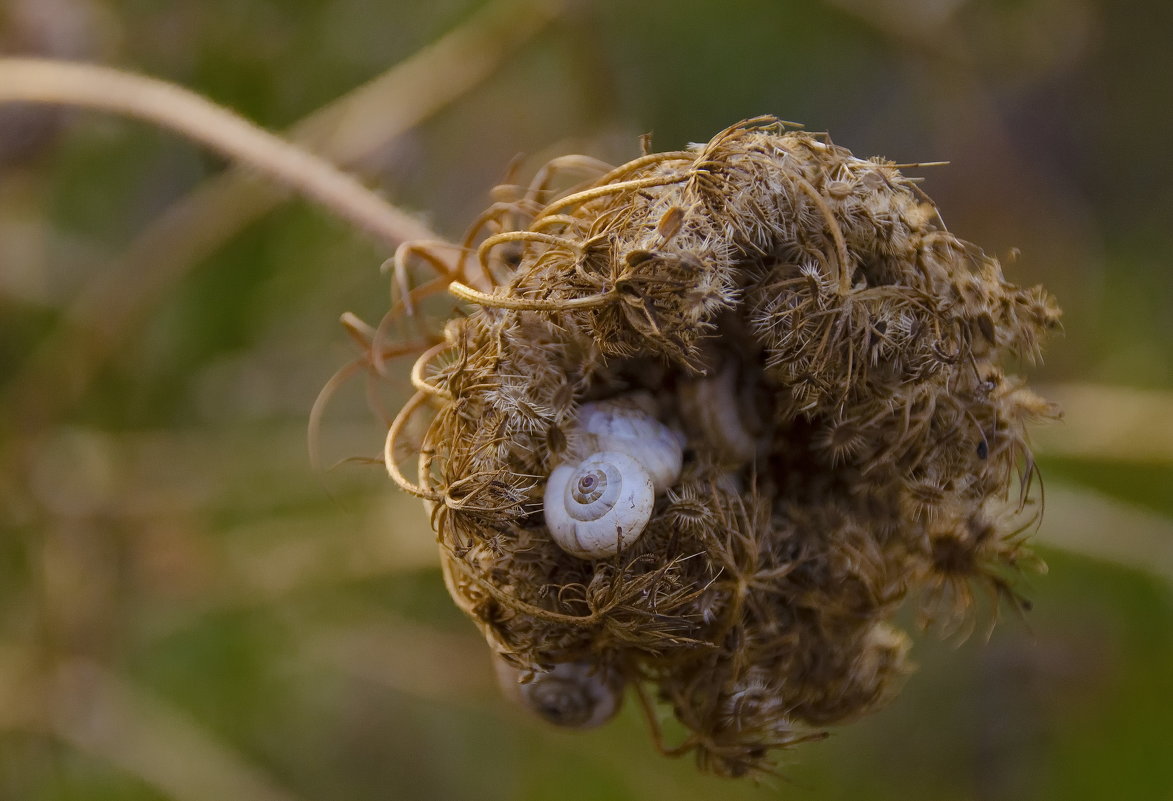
(584, 164)
(506, 237)
(844, 277)
(314, 425)
(556, 219)
(603, 190)
(470, 295)
(512, 602)
(638, 164)
(424, 250)
(418, 377)
(31, 80)
(393, 432)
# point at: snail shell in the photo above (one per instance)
(599, 505)
(577, 695)
(624, 425)
(722, 413)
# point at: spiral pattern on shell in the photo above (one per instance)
(600, 505)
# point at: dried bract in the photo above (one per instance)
(827, 357)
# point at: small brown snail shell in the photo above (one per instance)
(576, 695)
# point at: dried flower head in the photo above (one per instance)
(829, 356)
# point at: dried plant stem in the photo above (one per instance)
(347, 131)
(581, 164)
(843, 276)
(514, 603)
(648, 709)
(389, 457)
(524, 236)
(425, 250)
(170, 106)
(557, 219)
(577, 199)
(635, 165)
(470, 295)
(314, 424)
(419, 380)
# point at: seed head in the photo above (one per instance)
(829, 356)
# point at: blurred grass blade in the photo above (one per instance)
(87, 707)
(1109, 422)
(1088, 523)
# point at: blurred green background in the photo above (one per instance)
(189, 611)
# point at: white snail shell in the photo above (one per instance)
(624, 425)
(599, 505)
(726, 421)
(577, 695)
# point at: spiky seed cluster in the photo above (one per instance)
(858, 343)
